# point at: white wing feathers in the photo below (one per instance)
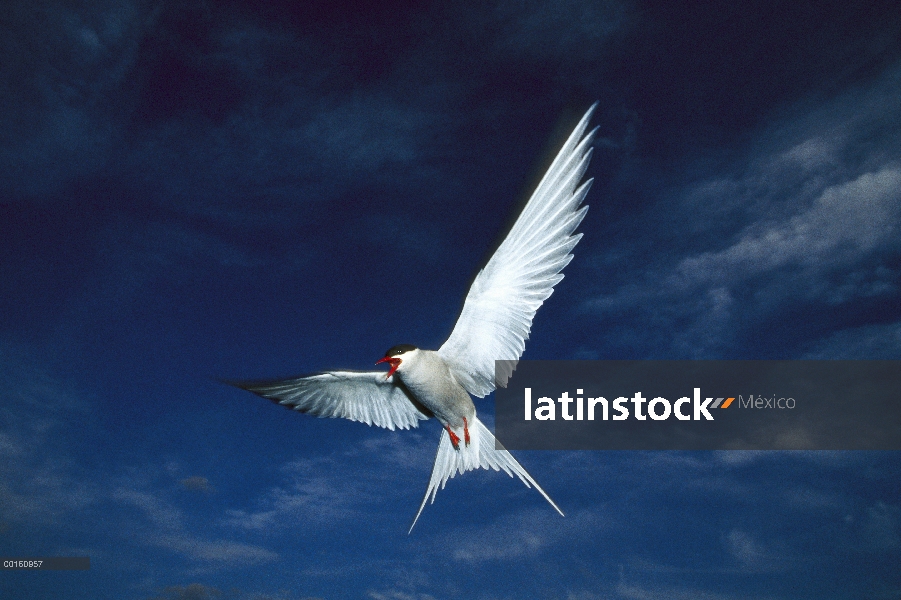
(480, 454)
(365, 397)
(500, 305)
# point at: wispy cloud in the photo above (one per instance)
(159, 513)
(527, 534)
(167, 244)
(304, 152)
(567, 31)
(870, 342)
(197, 483)
(220, 552)
(168, 530)
(321, 491)
(42, 484)
(192, 591)
(40, 481)
(200, 591)
(845, 222)
(753, 556)
(398, 595)
(660, 592)
(882, 526)
(810, 219)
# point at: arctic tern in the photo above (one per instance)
(494, 325)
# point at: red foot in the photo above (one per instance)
(466, 431)
(455, 439)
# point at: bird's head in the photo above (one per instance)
(395, 357)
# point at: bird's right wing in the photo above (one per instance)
(502, 301)
(366, 397)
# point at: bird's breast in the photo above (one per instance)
(432, 384)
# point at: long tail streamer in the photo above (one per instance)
(480, 454)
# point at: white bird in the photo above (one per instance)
(494, 325)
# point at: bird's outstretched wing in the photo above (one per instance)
(365, 397)
(502, 301)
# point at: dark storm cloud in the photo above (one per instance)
(309, 131)
(565, 35)
(199, 104)
(254, 168)
(114, 89)
(201, 134)
(64, 66)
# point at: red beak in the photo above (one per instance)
(394, 361)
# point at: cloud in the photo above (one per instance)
(119, 91)
(168, 530)
(882, 526)
(810, 218)
(197, 484)
(302, 152)
(167, 244)
(200, 591)
(161, 514)
(397, 595)
(870, 342)
(222, 552)
(40, 481)
(241, 110)
(524, 535)
(345, 485)
(847, 221)
(315, 491)
(42, 484)
(59, 110)
(752, 556)
(562, 30)
(192, 591)
(650, 592)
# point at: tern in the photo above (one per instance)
(494, 325)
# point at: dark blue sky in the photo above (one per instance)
(201, 190)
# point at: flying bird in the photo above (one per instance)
(494, 325)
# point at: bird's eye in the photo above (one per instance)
(399, 349)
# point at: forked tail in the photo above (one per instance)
(480, 454)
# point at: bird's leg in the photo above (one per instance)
(466, 431)
(454, 438)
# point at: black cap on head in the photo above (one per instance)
(399, 349)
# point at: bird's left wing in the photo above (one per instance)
(367, 397)
(502, 301)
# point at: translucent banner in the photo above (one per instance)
(700, 405)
